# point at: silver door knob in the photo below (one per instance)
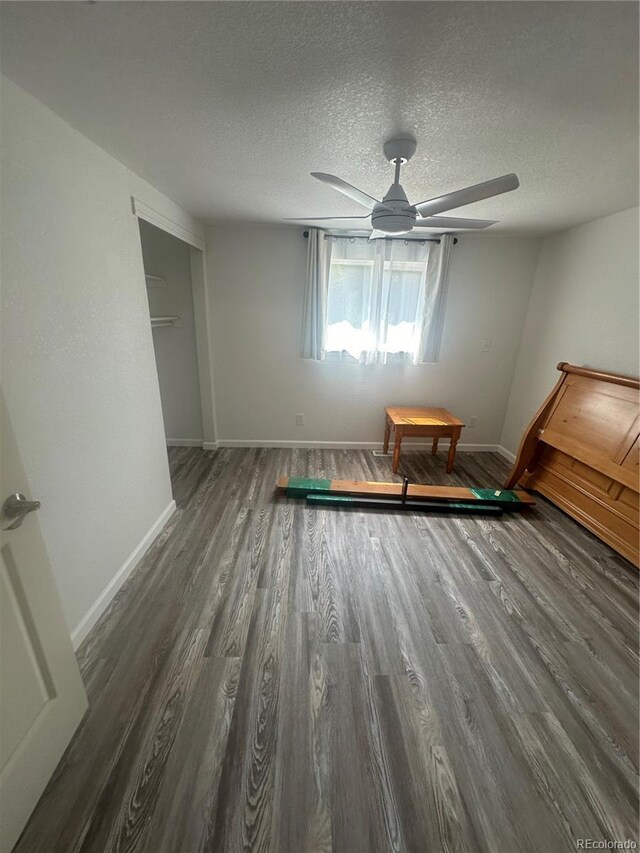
(14, 509)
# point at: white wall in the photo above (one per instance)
(78, 364)
(174, 346)
(584, 310)
(256, 275)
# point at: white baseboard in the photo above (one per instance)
(184, 442)
(506, 453)
(104, 599)
(210, 445)
(407, 444)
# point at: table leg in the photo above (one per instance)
(434, 447)
(452, 450)
(387, 433)
(396, 450)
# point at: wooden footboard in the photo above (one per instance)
(582, 452)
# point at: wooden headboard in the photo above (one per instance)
(582, 452)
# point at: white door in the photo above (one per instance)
(42, 698)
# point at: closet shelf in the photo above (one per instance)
(156, 322)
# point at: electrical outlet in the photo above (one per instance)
(299, 420)
(486, 345)
(473, 421)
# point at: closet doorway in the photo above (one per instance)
(174, 278)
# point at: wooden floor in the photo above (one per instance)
(279, 678)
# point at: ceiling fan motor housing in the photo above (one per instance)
(398, 220)
(401, 148)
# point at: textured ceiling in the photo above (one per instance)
(227, 107)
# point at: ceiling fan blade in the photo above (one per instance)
(377, 235)
(346, 189)
(321, 218)
(452, 222)
(459, 198)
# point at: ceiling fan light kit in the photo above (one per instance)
(395, 215)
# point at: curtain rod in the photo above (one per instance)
(364, 237)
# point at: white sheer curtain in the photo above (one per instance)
(376, 297)
(437, 279)
(371, 299)
(314, 313)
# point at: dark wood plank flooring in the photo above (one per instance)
(279, 678)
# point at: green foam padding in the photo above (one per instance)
(300, 486)
(504, 495)
(338, 499)
(439, 506)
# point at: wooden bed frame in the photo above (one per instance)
(582, 452)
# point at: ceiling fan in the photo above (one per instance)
(394, 214)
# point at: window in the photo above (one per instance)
(348, 306)
(375, 297)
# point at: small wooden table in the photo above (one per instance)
(424, 423)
